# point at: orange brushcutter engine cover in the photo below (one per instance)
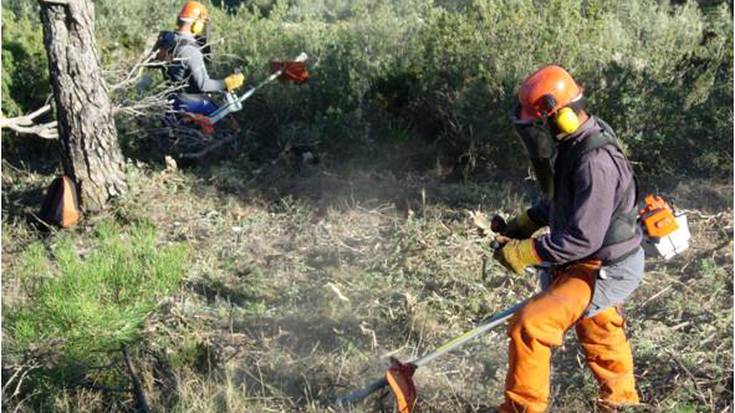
(657, 218)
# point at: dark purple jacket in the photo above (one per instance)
(599, 184)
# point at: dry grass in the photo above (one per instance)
(305, 279)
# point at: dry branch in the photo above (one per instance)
(26, 124)
(140, 398)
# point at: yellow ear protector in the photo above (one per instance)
(566, 118)
(197, 27)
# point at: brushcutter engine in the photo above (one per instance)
(665, 232)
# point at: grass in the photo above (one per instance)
(303, 279)
(84, 302)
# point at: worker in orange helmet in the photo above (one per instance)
(593, 246)
(189, 47)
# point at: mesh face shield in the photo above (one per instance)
(540, 146)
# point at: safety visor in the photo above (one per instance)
(203, 17)
(540, 146)
(534, 132)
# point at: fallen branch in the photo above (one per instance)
(202, 154)
(26, 124)
(148, 107)
(140, 399)
(144, 60)
(21, 372)
(134, 73)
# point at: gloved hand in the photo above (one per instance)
(520, 227)
(516, 254)
(234, 81)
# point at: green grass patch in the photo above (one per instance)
(83, 308)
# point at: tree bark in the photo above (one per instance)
(91, 154)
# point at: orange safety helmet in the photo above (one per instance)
(195, 12)
(546, 91)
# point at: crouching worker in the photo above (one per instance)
(593, 246)
(185, 50)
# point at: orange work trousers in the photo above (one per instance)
(542, 323)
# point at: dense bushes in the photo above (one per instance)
(446, 76)
(25, 70)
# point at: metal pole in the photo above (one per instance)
(225, 110)
(485, 326)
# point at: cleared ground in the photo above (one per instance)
(305, 278)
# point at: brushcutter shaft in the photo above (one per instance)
(452, 344)
(235, 106)
(483, 328)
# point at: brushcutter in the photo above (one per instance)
(399, 376)
(194, 144)
(292, 71)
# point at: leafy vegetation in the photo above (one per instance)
(661, 74)
(25, 84)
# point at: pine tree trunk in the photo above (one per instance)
(91, 153)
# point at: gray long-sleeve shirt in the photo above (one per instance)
(188, 66)
(599, 184)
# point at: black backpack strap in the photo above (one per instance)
(623, 224)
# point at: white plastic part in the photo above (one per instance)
(302, 57)
(233, 101)
(672, 244)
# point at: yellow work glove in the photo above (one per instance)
(521, 227)
(234, 81)
(516, 255)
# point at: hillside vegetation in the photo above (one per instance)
(285, 275)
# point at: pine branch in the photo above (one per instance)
(26, 124)
(137, 388)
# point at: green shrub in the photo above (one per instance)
(660, 74)
(25, 84)
(82, 310)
